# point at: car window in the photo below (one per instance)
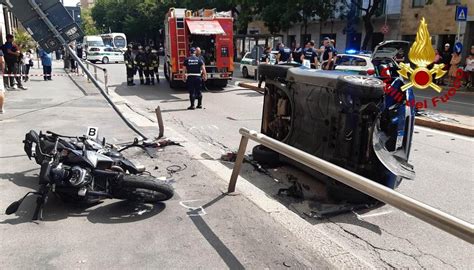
(360, 62)
(350, 60)
(108, 49)
(247, 55)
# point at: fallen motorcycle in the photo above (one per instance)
(81, 169)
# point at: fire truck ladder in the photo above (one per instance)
(181, 42)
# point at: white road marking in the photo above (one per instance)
(201, 211)
(373, 215)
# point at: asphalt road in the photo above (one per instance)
(384, 237)
(199, 228)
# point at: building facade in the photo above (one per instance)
(440, 16)
(8, 23)
(349, 33)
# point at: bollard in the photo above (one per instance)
(238, 164)
(106, 81)
(160, 121)
(88, 79)
(95, 73)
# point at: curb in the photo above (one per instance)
(449, 127)
(420, 121)
(251, 87)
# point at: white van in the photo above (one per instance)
(92, 42)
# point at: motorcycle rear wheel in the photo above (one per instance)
(145, 188)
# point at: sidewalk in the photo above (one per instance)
(454, 123)
(200, 228)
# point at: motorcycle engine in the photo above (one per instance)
(79, 177)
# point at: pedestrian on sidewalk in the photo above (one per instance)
(47, 62)
(455, 60)
(2, 87)
(12, 55)
(27, 63)
(469, 69)
(72, 61)
(194, 74)
(446, 59)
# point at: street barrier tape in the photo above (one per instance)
(42, 75)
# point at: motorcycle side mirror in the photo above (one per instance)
(13, 207)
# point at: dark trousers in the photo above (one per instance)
(194, 86)
(13, 70)
(149, 75)
(155, 70)
(47, 72)
(130, 74)
(140, 74)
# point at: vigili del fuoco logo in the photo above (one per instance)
(421, 55)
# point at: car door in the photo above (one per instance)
(351, 63)
(117, 55)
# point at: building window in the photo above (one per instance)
(418, 3)
(453, 2)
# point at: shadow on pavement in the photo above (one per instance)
(227, 256)
(21, 179)
(271, 182)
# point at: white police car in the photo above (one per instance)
(249, 63)
(355, 63)
(105, 55)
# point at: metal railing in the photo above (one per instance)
(429, 214)
(96, 68)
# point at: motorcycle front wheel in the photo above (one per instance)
(145, 188)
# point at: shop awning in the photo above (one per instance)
(205, 27)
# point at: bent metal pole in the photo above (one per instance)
(56, 33)
(429, 214)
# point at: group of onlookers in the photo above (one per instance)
(15, 65)
(452, 62)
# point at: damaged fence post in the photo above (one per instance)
(238, 164)
(160, 121)
(106, 80)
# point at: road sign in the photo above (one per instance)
(461, 14)
(37, 27)
(385, 29)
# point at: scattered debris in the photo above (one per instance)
(286, 264)
(175, 169)
(230, 156)
(435, 116)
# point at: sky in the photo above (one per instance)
(70, 3)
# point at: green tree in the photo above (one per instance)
(88, 23)
(24, 40)
(372, 9)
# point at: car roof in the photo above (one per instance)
(365, 56)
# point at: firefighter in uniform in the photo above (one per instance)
(129, 63)
(141, 64)
(149, 68)
(156, 64)
(194, 73)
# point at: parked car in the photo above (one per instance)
(347, 119)
(355, 63)
(250, 62)
(105, 55)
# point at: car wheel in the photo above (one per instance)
(362, 86)
(266, 156)
(245, 72)
(105, 60)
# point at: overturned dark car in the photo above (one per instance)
(361, 123)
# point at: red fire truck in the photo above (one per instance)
(211, 31)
